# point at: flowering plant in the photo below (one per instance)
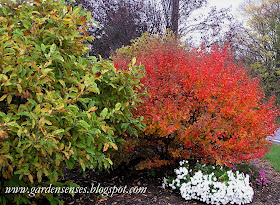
(211, 184)
(256, 175)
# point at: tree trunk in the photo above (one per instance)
(175, 17)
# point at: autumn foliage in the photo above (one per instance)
(202, 106)
(59, 107)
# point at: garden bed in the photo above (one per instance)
(268, 195)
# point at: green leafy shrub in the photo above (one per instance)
(58, 107)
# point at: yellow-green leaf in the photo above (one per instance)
(133, 61)
(19, 88)
(60, 106)
(106, 146)
(9, 99)
(30, 177)
(92, 109)
(3, 97)
(113, 145)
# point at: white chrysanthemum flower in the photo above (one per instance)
(164, 183)
(206, 188)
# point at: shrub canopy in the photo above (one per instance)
(203, 106)
(58, 107)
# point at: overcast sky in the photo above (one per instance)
(227, 3)
(234, 4)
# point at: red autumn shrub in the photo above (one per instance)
(201, 106)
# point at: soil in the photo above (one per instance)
(270, 194)
(155, 194)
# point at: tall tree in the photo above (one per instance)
(178, 12)
(175, 16)
(123, 20)
(264, 42)
(118, 23)
(182, 18)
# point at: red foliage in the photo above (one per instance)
(202, 106)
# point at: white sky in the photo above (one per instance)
(234, 5)
(235, 8)
(227, 3)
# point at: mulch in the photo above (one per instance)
(155, 194)
(270, 194)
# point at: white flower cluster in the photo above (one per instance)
(206, 187)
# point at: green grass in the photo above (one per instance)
(274, 157)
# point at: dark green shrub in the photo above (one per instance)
(58, 107)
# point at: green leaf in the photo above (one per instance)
(7, 69)
(91, 150)
(43, 48)
(39, 175)
(19, 88)
(21, 171)
(47, 70)
(5, 149)
(84, 124)
(58, 131)
(104, 112)
(51, 200)
(60, 106)
(81, 145)
(94, 88)
(110, 161)
(3, 97)
(9, 99)
(19, 132)
(118, 106)
(53, 48)
(59, 57)
(4, 10)
(13, 124)
(133, 61)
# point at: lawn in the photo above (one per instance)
(274, 157)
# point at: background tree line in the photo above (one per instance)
(256, 45)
